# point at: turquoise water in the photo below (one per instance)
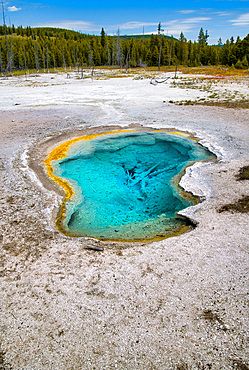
(123, 184)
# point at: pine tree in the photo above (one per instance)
(220, 42)
(25, 48)
(103, 51)
(182, 53)
(103, 39)
(202, 38)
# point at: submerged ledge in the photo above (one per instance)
(59, 153)
(71, 199)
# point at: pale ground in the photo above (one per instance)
(181, 303)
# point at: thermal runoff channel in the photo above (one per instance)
(124, 185)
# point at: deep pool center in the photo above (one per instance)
(124, 185)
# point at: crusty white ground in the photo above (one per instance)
(181, 303)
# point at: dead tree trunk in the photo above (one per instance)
(9, 63)
(160, 53)
(1, 63)
(108, 51)
(170, 50)
(63, 55)
(118, 51)
(160, 48)
(90, 56)
(25, 60)
(113, 50)
(11, 55)
(43, 58)
(47, 59)
(36, 54)
(127, 61)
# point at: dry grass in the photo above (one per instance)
(240, 104)
(217, 71)
(242, 205)
(243, 173)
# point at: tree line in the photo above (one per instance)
(46, 48)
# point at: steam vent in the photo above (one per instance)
(124, 185)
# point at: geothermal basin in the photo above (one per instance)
(123, 185)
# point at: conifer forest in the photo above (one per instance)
(47, 48)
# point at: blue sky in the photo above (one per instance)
(222, 18)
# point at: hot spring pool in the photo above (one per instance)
(122, 186)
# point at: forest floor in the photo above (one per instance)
(179, 303)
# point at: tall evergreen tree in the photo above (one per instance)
(202, 37)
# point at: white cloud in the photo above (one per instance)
(13, 8)
(173, 27)
(222, 14)
(242, 20)
(133, 25)
(170, 27)
(195, 20)
(82, 26)
(187, 11)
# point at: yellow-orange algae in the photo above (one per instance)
(179, 133)
(60, 152)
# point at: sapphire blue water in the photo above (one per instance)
(125, 184)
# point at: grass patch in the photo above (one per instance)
(217, 72)
(241, 104)
(243, 173)
(242, 206)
